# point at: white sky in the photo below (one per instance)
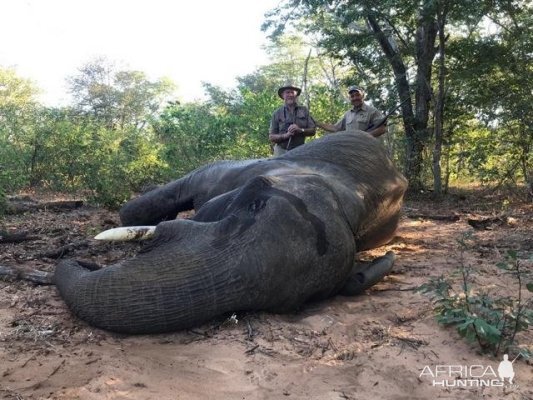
(188, 41)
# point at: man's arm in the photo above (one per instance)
(310, 130)
(273, 132)
(378, 131)
(279, 137)
(296, 130)
(326, 127)
(375, 119)
(339, 126)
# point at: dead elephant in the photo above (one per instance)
(268, 234)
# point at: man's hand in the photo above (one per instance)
(327, 127)
(294, 129)
(378, 131)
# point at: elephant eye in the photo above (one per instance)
(256, 206)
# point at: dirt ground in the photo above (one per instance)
(374, 346)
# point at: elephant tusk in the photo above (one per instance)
(127, 233)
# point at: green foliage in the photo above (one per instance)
(192, 134)
(117, 137)
(120, 162)
(17, 105)
(489, 104)
(250, 117)
(326, 104)
(120, 99)
(486, 75)
(229, 126)
(65, 150)
(488, 319)
(234, 124)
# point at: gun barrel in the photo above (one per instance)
(374, 126)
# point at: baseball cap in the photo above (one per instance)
(355, 89)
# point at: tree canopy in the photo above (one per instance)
(460, 70)
(394, 49)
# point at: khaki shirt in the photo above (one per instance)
(283, 118)
(360, 119)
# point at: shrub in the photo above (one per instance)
(486, 318)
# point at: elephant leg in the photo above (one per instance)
(190, 192)
(366, 275)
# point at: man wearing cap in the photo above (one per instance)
(362, 117)
(290, 123)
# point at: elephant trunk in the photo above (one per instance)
(181, 279)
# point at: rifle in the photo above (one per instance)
(374, 126)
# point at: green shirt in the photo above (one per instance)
(360, 119)
(283, 118)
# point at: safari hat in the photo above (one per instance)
(283, 88)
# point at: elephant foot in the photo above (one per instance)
(366, 275)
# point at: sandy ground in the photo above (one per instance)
(374, 346)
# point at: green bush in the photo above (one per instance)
(488, 319)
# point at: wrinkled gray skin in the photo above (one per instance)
(267, 235)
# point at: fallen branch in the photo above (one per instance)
(57, 368)
(412, 341)
(393, 289)
(16, 237)
(452, 218)
(36, 276)
(485, 223)
(250, 351)
(63, 205)
(64, 250)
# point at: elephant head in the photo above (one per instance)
(267, 235)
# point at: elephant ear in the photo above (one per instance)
(249, 197)
(214, 209)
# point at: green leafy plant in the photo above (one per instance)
(486, 318)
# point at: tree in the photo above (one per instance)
(234, 123)
(118, 98)
(489, 73)
(389, 41)
(442, 14)
(18, 102)
(370, 34)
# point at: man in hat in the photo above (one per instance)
(362, 117)
(290, 123)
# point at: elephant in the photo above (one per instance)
(267, 234)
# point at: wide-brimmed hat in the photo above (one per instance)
(283, 88)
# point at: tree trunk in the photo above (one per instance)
(425, 53)
(304, 83)
(447, 171)
(415, 123)
(439, 106)
(400, 76)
